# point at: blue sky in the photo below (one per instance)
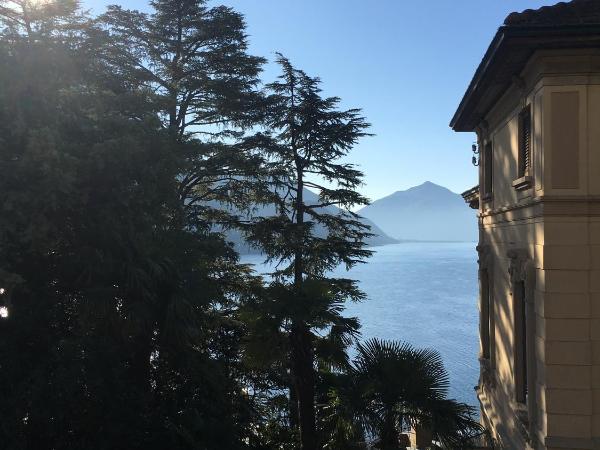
(406, 63)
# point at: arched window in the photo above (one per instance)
(486, 313)
(485, 318)
(520, 339)
(522, 272)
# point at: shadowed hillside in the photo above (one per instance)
(310, 198)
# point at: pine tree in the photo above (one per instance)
(306, 138)
(194, 59)
(87, 191)
(119, 293)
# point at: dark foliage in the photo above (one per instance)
(120, 331)
(131, 323)
(392, 387)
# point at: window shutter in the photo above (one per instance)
(525, 142)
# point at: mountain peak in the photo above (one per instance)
(424, 212)
(428, 185)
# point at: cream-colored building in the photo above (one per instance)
(534, 103)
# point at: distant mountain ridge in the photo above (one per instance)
(310, 198)
(427, 212)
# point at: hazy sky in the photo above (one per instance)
(406, 63)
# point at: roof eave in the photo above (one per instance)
(461, 121)
(493, 48)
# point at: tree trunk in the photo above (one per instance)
(389, 435)
(302, 352)
(293, 404)
(304, 384)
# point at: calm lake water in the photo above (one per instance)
(426, 294)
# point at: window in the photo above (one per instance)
(525, 142)
(485, 328)
(520, 342)
(487, 170)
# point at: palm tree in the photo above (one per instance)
(392, 387)
(268, 317)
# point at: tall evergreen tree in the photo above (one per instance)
(76, 223)
(119, 294)
(307, 136)
(194, 59)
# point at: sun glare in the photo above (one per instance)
(28, 5)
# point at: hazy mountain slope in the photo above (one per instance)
(427, 212)
(310, 197)
(380, 238)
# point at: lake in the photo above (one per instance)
(426, 294)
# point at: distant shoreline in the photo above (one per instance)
(417, 241)
(398, 242)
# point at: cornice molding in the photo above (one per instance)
(546, 206)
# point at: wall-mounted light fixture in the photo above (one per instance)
(3, 307)
(475, 159)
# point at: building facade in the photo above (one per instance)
(534, 103)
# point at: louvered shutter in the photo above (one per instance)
(525, 142)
